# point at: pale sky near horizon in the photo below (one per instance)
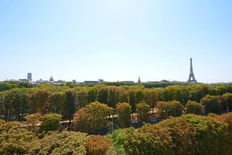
(116, 39)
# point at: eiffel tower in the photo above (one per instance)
(191, 75)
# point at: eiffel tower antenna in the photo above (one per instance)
(191, 78)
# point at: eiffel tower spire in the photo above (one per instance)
(191, 78)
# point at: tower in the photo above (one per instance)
(139, 81)
(29, 76)
(191, 78)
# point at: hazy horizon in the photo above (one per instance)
(116, 40)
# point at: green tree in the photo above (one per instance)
(151, 97)
(198, 91)
(136, 95)
(15, 140)
(50, 122)
(16, 103)
(2, 108)
(81, 97)
(188, 134)
(56, 102)
(64, 143)
(170, 108)
(223, 104)
(81, 121)
(118, 138)
(211, 104)
(39, 100)
(70, 104)
(183, 135)
(7, 86)
(228, 98)
(113, 96)
(217, 90)
(212, 135)
(123, 111)
(192, 107)
(103, 95)
(5, 126)
(33, 120)
(92, 94)
(227, 118)
(95, 115)
(132, 99)
(149, 139)
(143, 111)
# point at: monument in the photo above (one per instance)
(191, 78)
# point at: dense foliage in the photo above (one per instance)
(123, 112)
(14, 140)
(33, 120)
(91, 118)
(17, 101)
(188, 134)
(142, 111)
(211, 104)
(97, 145)
(192, 107)
(41, 109)
(66, 142)
(169, 108)
(50, 122)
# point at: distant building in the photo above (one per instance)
(29, 76)
(100, 81)
(94, 82)
(130, 82)
(51, 79)
(23, 80)
(90, 82)
(59, 82)
(139, 81)
(37, 82)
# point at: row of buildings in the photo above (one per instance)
(191, 79)
(56, 82)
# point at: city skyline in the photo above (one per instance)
(29, 78)
(116, 40)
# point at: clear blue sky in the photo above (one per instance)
(116, 39)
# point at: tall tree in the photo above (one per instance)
(94, 116)
(143, 111)
(151, 97)
(211, 104)
(123, 111)
(169, 108)
(228, 99)
(192, 107)
(56, 102)
(81, 97)
(50, 122)
(39, 100)
(16, 103)
(70, 105)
